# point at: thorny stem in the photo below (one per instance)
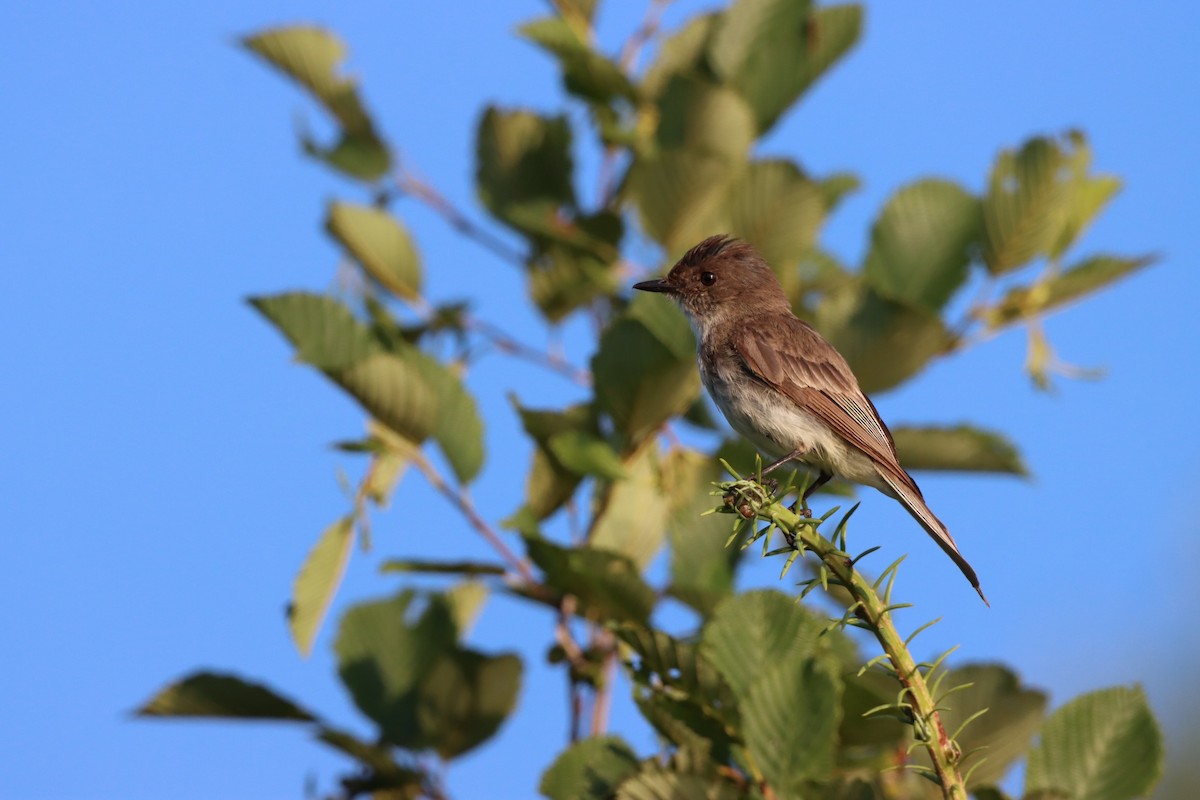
(459, 498)
(873, 614)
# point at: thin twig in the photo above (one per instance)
(460, 499)
(576, 660)
(644, 33)
(506, 343)
(409, 184)
(602, 701)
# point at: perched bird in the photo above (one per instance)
(781, 385)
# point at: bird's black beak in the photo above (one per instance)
(655, 286)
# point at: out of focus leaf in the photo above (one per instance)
(385, 772)
(465, 697)
(681, 53)
(469, 568)
(642, 380)
(586, 73)
(310, 56)
(458, 429)
(959, 449)
(607, 585)
(379, 243)
(209, 694)
(550, 482)
(790, 718)
(324, 332)
(589, 770)
(631, 519)
(922, 243)
(702, 567)
(771, 51)
(1076, 281)
(1104, 745)
(586, 454)
(523, 169)
(884, 342)
(317, 582)
(655, 782)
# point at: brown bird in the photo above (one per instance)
(781, 385)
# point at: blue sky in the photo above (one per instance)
(166, 468)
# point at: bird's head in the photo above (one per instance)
(719, 280)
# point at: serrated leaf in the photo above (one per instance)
(550, 483)
(777, 208)
(1104, 745)
(211, 694)
(1002, 734)
(656, 782)
(586, 73)
(607, 585)
(756, 628)
(1055, 291)
(379, 243)
(589, 770)
(310, 56)
(922, 242)
(523, 166)
(458, 428)
(790, 718)
(323, 330)
(317, 582)
(962, 448)
(885, 342)
(640, 381)
(631, 518)
(771, 51)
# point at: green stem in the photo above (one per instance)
(873, 613)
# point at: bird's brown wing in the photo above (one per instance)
(788, 355)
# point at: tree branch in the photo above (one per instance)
(411, 185)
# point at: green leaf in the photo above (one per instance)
(668, 663)
(385, 772)
(607, 585)
(1104, 745)
(523, 168)
(702, 567)
(465, 600)
(324, 332)
(458, 428)
(885, 342)
(962, 448)
(1056, 290)
(665, 322)
(586, 454)
(465, 697)
(396, 391)
(317, 582)
(866, 738)
(589, 770)
(757, 628)
(586, 73)
(310, 56)
(655, 782)
(790, 718)
(209, 694)
(1039, 199)
(631, 518)
(681, 53)
(772, 51)
(550, 483)
(642, 381)
(379, 243)
(922, 243)
(562, 280)
(383, 657)
(775, 206)
(1001, 735)
(413, 565)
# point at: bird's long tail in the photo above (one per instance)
(910, 497)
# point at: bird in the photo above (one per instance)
(781, 385)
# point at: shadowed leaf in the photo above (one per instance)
(1073, 283)
(607, 585)
(589, 770)
(523, 167)
(959, 449)
(586, 73)
(209, 694)
(631, 518)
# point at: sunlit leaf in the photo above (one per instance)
(922, 243)
(1104, 745)
(586, 72)
(586, 454)
(523, 166)
(790, 717)
(589, 770)
(702, 567)
(631, 518)
(885, 342)
(607, 585)
(379, 243)
(681, 53)
(324, 332)
(317, 582)
(550, 482)
(209, 694)
(1054, 291)
(962, 448)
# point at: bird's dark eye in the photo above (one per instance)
(707, 278)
